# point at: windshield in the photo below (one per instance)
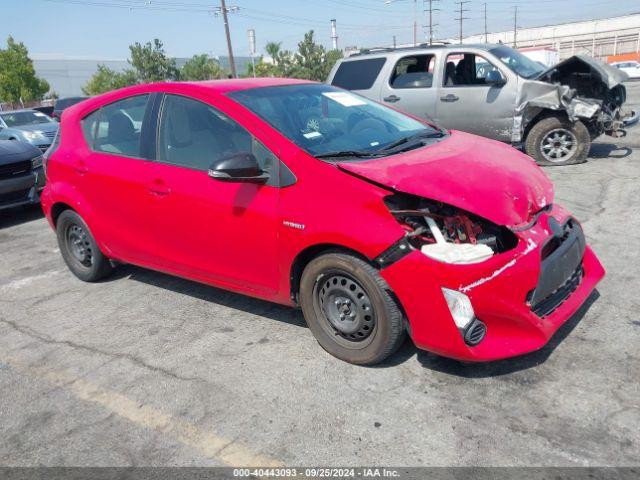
(519, 63)
(29, 117)
(322, 119)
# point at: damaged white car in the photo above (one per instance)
(496, 92)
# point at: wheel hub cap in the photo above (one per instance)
(558, 144)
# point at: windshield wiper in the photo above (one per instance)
(416, 136)
(348, 153)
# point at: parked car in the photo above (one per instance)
(47, 110)
(632, 68)
(21, 174)
(28, 126)
(300, 193)
(64, 103)
(497, 92)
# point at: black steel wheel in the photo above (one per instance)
(79, 249)
(349, 309)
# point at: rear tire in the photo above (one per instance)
(557, 141)
(79, 249)
(349, 309)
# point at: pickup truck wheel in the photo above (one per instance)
(557, 141)
(79, 249)
(349, 309)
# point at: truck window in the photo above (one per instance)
(466, 69)
(358, 74)
(415, 71)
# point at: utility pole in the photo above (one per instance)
(232, 63)
(485, 24)
(334, 34)
(461, 17)
(252, 49)
(431, 24)
(515, 26)
(394, 41)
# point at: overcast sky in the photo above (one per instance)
(105, 28)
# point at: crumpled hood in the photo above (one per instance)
(482, 176)
(14, 151)
(609, 75)
(39, 127)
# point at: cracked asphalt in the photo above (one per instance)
(146, 369)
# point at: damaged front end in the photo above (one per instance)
(443, 232)
(581, 87)
(478, 291)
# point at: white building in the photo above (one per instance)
(597, 38)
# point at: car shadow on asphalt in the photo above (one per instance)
(12, 217)
(496, 368)
(293, 316)
(237, 301)
(600, 151)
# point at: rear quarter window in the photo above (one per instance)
(358, 74)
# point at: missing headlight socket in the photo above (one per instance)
(456, 226)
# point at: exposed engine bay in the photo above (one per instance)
(447, 233)
(587, 90)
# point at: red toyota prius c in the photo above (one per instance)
(375, 223)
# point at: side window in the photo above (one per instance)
(415, 71)
(358, 74)
(88, 125)
(193, 134)
(466, 69)
(116, 127)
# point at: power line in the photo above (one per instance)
(431, 24)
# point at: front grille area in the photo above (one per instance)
(43, 148)
(557, 240)
(12, 169)
(49, 134)
(14, 197)
(549, 304)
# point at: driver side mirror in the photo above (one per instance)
(494, 78)
(238, 167)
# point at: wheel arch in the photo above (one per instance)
(57, 209)
(540, 115)
(305, 256)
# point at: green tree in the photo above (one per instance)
(201, 67)
(18, 81)
(330, 60)
(309, 59)
(105, 79)
(151, 64)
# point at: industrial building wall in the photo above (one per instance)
(598, 38)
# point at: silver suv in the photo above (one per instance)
(496, 92)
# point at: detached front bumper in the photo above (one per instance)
(501, 291)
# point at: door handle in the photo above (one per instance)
(159, 188)
(391, 99)
(449, 98)
(81, 167)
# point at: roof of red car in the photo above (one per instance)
(246, 83)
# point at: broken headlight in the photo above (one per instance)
(446, 233)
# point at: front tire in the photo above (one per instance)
(79, 249)
(349, 309)
(557, 141)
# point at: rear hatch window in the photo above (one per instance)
(358, 74)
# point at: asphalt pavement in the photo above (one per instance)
(146, 369)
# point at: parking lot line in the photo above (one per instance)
(225, 450)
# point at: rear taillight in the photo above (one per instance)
(51, 150)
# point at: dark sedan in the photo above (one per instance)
(21, 174)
